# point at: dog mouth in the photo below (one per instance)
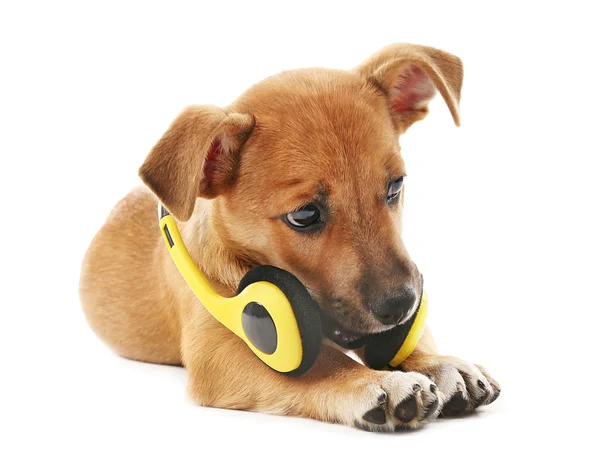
(339, 333)
(351, 339)
(341, 336)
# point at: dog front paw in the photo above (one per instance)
(402, 401)
(463, 387)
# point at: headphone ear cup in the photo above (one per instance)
(306, 310)
(383, 347)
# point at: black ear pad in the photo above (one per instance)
(382, 347)
(304, 307)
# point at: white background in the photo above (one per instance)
(501, 217)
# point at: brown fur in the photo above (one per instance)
(229, 175)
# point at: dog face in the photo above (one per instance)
(306, 174)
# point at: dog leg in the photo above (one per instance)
(224, 373)
(463, 387)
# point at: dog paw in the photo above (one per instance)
(401, 401)
(463, 387)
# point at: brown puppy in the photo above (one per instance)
(302, 172)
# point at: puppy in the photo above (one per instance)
(303, 172)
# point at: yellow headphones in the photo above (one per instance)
(276, 316)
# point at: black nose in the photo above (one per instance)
(390, 310)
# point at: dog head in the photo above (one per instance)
(305, 173)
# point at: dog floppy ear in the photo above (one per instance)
(409, 76)
(198, 156)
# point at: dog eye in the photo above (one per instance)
(303, 218)
(394, 190)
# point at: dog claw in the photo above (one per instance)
(430, 409)
(407, 410)
(495, 397)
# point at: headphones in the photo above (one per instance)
(274, 314)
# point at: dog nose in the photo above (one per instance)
(391, 310)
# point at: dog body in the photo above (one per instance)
(302, 172)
